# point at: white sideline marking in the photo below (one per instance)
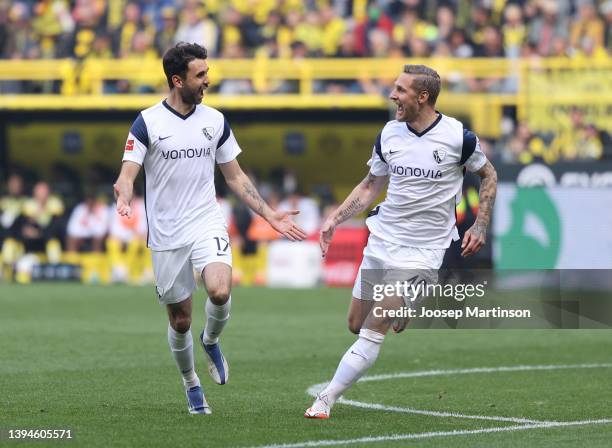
(426, 435)
(313, 390)
(532, 424)
(382, 407)
(482, 370)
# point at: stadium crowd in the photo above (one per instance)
(337, 28)
(95, 29)
(40, 226)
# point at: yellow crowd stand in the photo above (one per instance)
(97, 268)
(541, 84)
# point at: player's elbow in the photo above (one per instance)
(488, 172)
(354, 324)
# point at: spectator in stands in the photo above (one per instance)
(347, 48)
(587, 26)
(459, 46)
(11, 209)
(271, 28)
(547, 26)
(42, 225)
(375, 19)
(404, 29)
(582, 138)
(88, 225)
(196, 27)
(87, 15)
(165, 34)
(52, 24)
(123, 36)
(379, 43)
(491, 47)
(310, 33)
(286, 32)
(514, 31)
(514, 143)
(606, 12)
(333, 30)
(445, 23)
(418, 48)
(480, 18)
(21, 40)
(11, 205)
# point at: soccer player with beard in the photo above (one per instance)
(422, 154)
(177, 142)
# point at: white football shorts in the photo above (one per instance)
(174, 276)
(388, 263)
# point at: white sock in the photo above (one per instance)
(355, 362)
(181, 346)
(216, 318)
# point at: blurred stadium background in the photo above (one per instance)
(304, 85)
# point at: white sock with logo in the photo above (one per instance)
(355, 362)
(181, 346)
(217, 317)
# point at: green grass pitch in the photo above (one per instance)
(95, 360)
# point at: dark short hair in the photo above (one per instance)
(177, 58)
(427, 79)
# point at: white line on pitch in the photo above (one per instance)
(313, 390)
(382, 407)
(426, 435)
(391, 376)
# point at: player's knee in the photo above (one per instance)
(219, 295)
(181, 323)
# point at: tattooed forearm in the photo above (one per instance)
(488, 190)
(359, 199)
(252, 197)
(349, 210)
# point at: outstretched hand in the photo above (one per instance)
(473, 240)
(283, 224)
(123, 204)
(327, 233)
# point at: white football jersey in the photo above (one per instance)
(425, 180)
(178, 154)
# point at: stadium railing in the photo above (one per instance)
(527, 84)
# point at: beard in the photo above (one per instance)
(190, 96)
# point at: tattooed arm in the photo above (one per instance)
(242, 187)
(360, 198)
(476, 236)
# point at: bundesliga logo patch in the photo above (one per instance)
(439, 155)
(129, 145)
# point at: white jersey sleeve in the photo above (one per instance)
(472, 156)
(378, 165)
(227, 146)
(137, 142)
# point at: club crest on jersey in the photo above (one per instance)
(208, 132)
(439, 155)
